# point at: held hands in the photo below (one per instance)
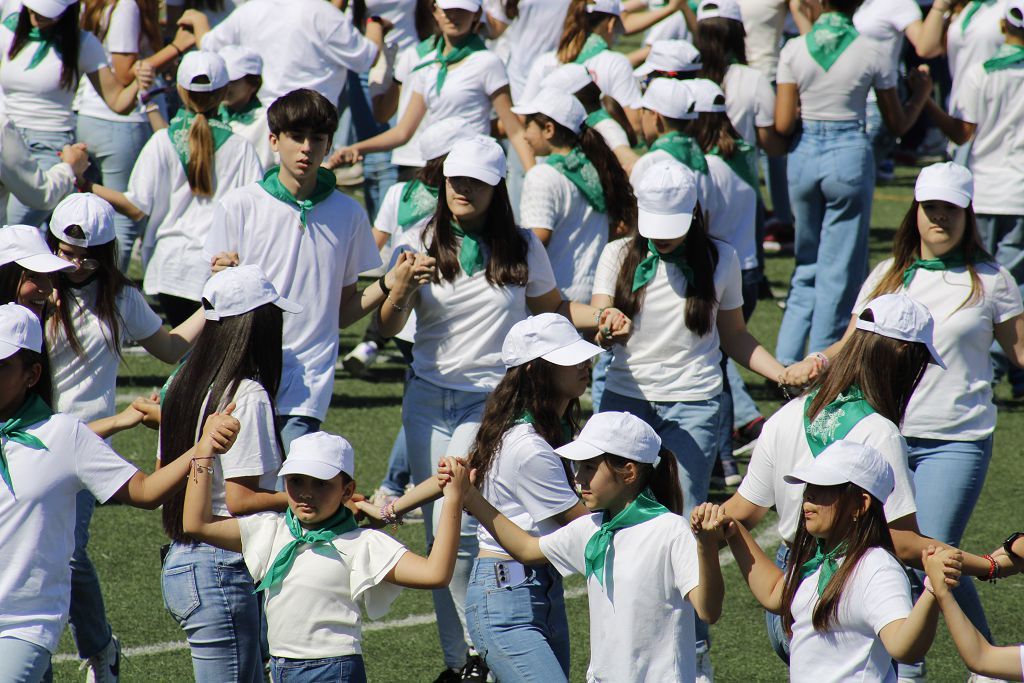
(411, 271)
(802, 373)
(919, 81)
(148, 410)
(194, 21)
(225, 259)
(613, 327)
(709, 523)
(346, 156)
(76, 157)
(219, 432)
(145, 74)
(943, 566)
(453, 476)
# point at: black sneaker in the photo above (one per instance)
(448, 676)
(475, 670)
(745, 438)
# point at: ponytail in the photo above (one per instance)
(662, 480)
(714, 129)
(579, 23)
(200, 157)
(618, 193)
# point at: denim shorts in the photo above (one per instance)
(347, 669)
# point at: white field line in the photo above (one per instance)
(767, 539)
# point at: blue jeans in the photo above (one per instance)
(773, 622)
(597, 378)
(113, 148)
(441, 422)
(831, 181)
(515, 177)
(378, 172)
(883, 142)
(294, 426)
(521, 631)
(44, 146)
(24, 662)
(210, 593)
(1003, 237)
(347, 669)
(88, 615)
(398, 475)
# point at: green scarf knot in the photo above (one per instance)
(342, 522)
(597, 116)
(972, 9)
(594, 46)
(582, 173)
(243, 116)
(181, 126)
(644, 508)
(831, 34)
(471, 252)
(33, 411)
(324, 187)
(954, 259)
(1005, 57)
(418, 201)
(743, 161)
(836, 419)
(473, 43)
(647, 268)
(827, 561)
(683, 149)
(35, 35)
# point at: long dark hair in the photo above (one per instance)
(10, 282)
(663, 480)
(432, 172)
(701, 298)
(508, 246)
(714, 129)
(860, 534)
(96, 19)
(44, 387)
(579, 24)
(66, 42)
(721, 42)
(246, 346)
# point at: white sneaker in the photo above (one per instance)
(705, 672)
(360, 358)
(104, 667)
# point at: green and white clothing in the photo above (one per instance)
(734, 206)
(973, 36)
(123, 24)
(610, 69)
(466, 92)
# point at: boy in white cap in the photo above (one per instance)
(242, 109)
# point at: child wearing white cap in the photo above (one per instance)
(318, 571)
(241, 108)
(646, 575)
(26, 268)
(46, 459)
(669, 59)
(845, 600)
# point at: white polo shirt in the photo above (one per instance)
(123, 22)
(749, 101)
(467, 90)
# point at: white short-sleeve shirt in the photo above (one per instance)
(885, 21)
(257, 134)
(613, 134)
(123, 22)
(672, 27)
(975, 44)
(650, 570)
(611, 71)
(735, 214)
(764, 21)
(535, 31)
(466, 93)
(749, 100)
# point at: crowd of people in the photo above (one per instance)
(546, 222)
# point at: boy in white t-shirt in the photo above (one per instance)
(242, 109)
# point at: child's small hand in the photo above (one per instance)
(458, 477)
(710, 523)
(149, 408)
(943, 567)
(220, 432)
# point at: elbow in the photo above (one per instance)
(709, 614)
(192, 527)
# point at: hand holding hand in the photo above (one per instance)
(943, 567)
(225, 259)
(458, 477)
(708, 522)
(919, 81)
(145, 74)
(346, 156)
(802, 373)
(149, 408)
(76, 157)
(220, 432)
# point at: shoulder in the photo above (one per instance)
(486, 59)
(250, 392)
(616, 248)
(542, 176)
(524, 439)
(343, 209)
(727, 257)
(875, 560)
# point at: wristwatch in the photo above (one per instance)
(1008, 544)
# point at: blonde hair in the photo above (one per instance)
(201, 148)
(579, 23)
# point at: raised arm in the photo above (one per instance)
(171, 345)
(766, 581)
(706, 523)
(197, 518)
(521, 545)
(118, 200)
(410, 272)
(899, 117)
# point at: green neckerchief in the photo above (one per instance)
(836, 419)
(1005, 57)
(827, 562)
(683, 149)
(646, 269)
(180, 127)
(597, 116)
(743, 161)
(594, 46)
(342, 522)
(972, 9)
(459, 52)
(831, 34)
(244, 116)
(527, 418)
(325, 181)
(33, 411)
(34, 36)
(582, 173)
(418, 201)
(954, 259)
(471, 253)
(644, 508)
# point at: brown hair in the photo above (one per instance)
(721, 42)
(432, 172)
(201, 150)
(96, 20)
(579, 23)
(663, 480)
(66, 42)
(714, 129)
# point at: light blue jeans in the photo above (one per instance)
(113, 148)
(347, 669)
(440, 422)
(831, 181)
(773, 622)
(24, 662)
(210, 593)
(294, 426)
(597, 378)
(521, 631)
(88, 614)
(44, 145)
(379, 174)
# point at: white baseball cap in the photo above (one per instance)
(666, 195)
(719, 9)
(671, 56)
(848, 462)
(549, 336)
(1015, 13)
(19, 329)
(241, 61)
(437, 139)
(468, 5)
(670, 98)
(51, 9)
(559, 105)
(202, 63)
(606, 6)
(320, 455)
(570, 78)
(93, 214)
(897, 316)
(622, 434)
(234, 291)
(24, 245)
(947, 182)
(477, 157)
(709, 97)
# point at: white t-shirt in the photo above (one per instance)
(314, 612)
(37, 529)
(408, 154)
(172, 246)
(978, 43)
(461, 325)
(664, 360)
(641, 621)
(214, 16)
(749, 101)
(535, 31)
(672, 27)
(782, 448)
(257, 134)
(310, 265)
(402, 15)
(387, 221)
(527, 483)
(995, 102)
(613, 134)
(578, 232)
(611, 71)
(467, 90)
(303, 43)
(956, 403)
(877, 594)
(124, 33)
(34, 98)
(735, 211)
(839, 94)
(764, 21)
(885, 21)
(85, 386)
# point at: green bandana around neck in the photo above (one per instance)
(644, 508)
(527, 418)
(683, 149)
(582, 173)
(45, 43)
(181, 126)
(972, 9)
(831, 34)
(459, 52)
(325, 181)
(471, 251)
(597, 116)
(743, 161)
(1005, 57)
(647, 267)
(342, 522)
(33, 411)
(954, 259)
(594, 46)
(836, 419)
(827, 561)
(244, 116)
(418, 200)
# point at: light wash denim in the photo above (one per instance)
(24, 662)
(379, 174)
(1003, 237)
(113, 148)
(210, 593)
(521, 631)
(778, 188)
(398, 475)
(773, 622)
(45, 145)
(831, 181)
(883, 142)
(88, 615)
(598, 374)
(347, 669)
(515, 176)
(294, 426)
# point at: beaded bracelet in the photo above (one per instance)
(389, 516)
(993, 569)
(200, 469)
(394, 305)
(821, 358)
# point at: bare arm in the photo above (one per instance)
(773, 144)
(118, 200)
(501, 100)
(1010, 335)
(741, 510)
(959, 132)
(409, 273)
(244, 496)
(106, 427)
(909, 544)
(634, 22)
(743, 348)
(197, 518)
(787, 109)
(766, 581)
(706, 524)
(908, 640)
(120, 98)
(899, 117)
(389, 139)
(171, 346)
(519, 544)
